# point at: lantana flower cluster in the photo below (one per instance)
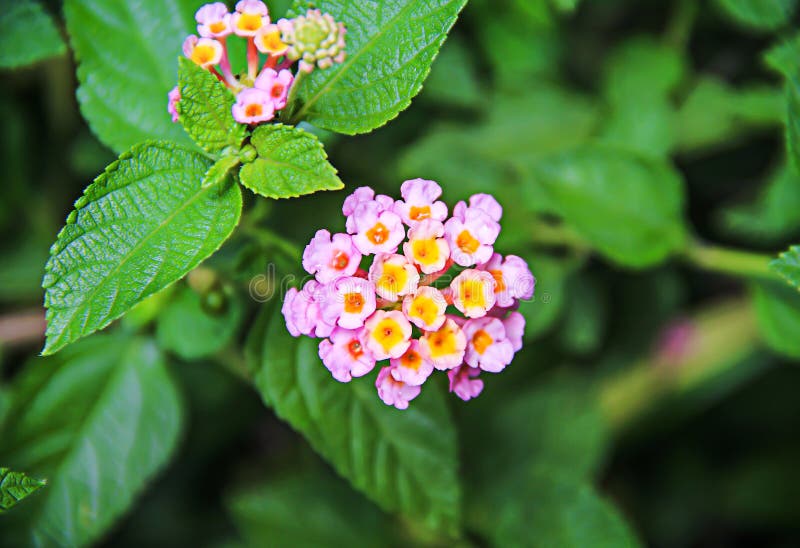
(311, 40)
(432, 293)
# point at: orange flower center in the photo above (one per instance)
(498, 278)
(472, 294)
(253, 109)
(411, 360)
(355, 349)
(277, 90)
(388, 334)
(203, 54)
(442, 342)
(481, 341)
(249, 21)
(425, 309)
(467, 243)
(419, 213)
(425, 251)
(378, 234)
(340, 260)
(217, 26)
(353, 303)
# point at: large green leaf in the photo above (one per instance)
(760, 14)
(390, 47)
(628, 207)
(405, 461)
(778, 315)
(266, 514)
(27, 34)
(788, 265)
(98, 421)
(205, 110)
(291, 162)
(139, 227)
(126, 65)
(15, 486)
(785, 58)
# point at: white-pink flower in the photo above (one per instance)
(444, 347)
(515, 329)
(420, 202)
(394, 392)
(205, 52)
(376, 230)
(393, 276)
(302, 312)
(513, 279)
(253, 106)
(362, 195)
(387, 334)
(482, 202)
(345, 356)
(425, 308)
(213, 20)
(487, 344)
(471, 237)
(348, 302)
(268, 40)
(250, 16)
(277, 84)
(174, 98)
(473, 292)
(426, 247)
(463, 382)
(330, 258)
(412, 367)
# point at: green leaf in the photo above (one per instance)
(759, 14)
(205, 110)
(100, 420)
(190, 328)
(291, 162)
(778, 315)
(266, 514)
(390, 47)
(405, 461)
(628, 207)
(785, 58)
(27, 35)
(139, 227)
(15, 486)
(220, 170)
(788, 265)
(126, 66)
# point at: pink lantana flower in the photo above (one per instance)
(420, 202)
(253, 106)
(463, 382)
(363, 195)
(393, 276)
(213, 20)
(301, 311)
(348, 302)
(205, 52)
(412, 367)
(515, 329)
(482, 202)
(487, 344)
(426, 247)
(277, 84)
(513, 279)
(174, 98)
(444, 347)
(425, 308)
(345, 356)
(471, 237)
(250, 16)
(268, 40)
(473, 292)
(330, 258)
(387, 334)
(394, 392)
(376, 230)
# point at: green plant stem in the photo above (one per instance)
(679, 28)
(545, 233)
(291, 99)
(730, 261)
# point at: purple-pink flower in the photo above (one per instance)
(412, 367)
(420, 202)
(276, 84)
(213, 20)
(513, 278)
(376, 230)
(471, 236)
(348, 302)
(464, 382)
(173, 98)
(394, 392)
(252, 106)
(331, 257)
(487, 344)
(344, 355)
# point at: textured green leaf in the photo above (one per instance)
(192, 329)
(139, 227)
(266, 514)
(291, 162)
(759, 14)
(788, 265)
(99, 420)
(628, 207)
(15, 486)
(205, 110)
(405, 461)
(220, 170)
(27, 34)
(778, 314)
(126, 65)
(390, 47)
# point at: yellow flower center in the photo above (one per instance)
(472, 294)
(253, 109)
(481, 340)
(353, 303)
(419, 213)
(424, 308)
(272, 42)
(425, 251)
(393, 278)
(249, 22)
(217, 26)
(498, 278)
(411, 360)
(388, 334)
(467, 243)
(442, 342)
(203, 54)
(378, 234)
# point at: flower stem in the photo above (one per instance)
(252, 59)
(288, 112)
(729, 261)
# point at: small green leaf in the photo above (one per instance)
(15, 486)
(139, 227)
(778, 314)
(785, 58)
(27, 34)
(759, 14)
(406, 461)
(291, 162)
(99, 420)
(788, 266)
(219, 171)
(190, 327)
(126, 66)
(630, 208)
(390, 47)
(205, 110)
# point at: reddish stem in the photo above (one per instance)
(252, 58)
(216, 73)
(430, 278)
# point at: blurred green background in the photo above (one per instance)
(695, 437)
